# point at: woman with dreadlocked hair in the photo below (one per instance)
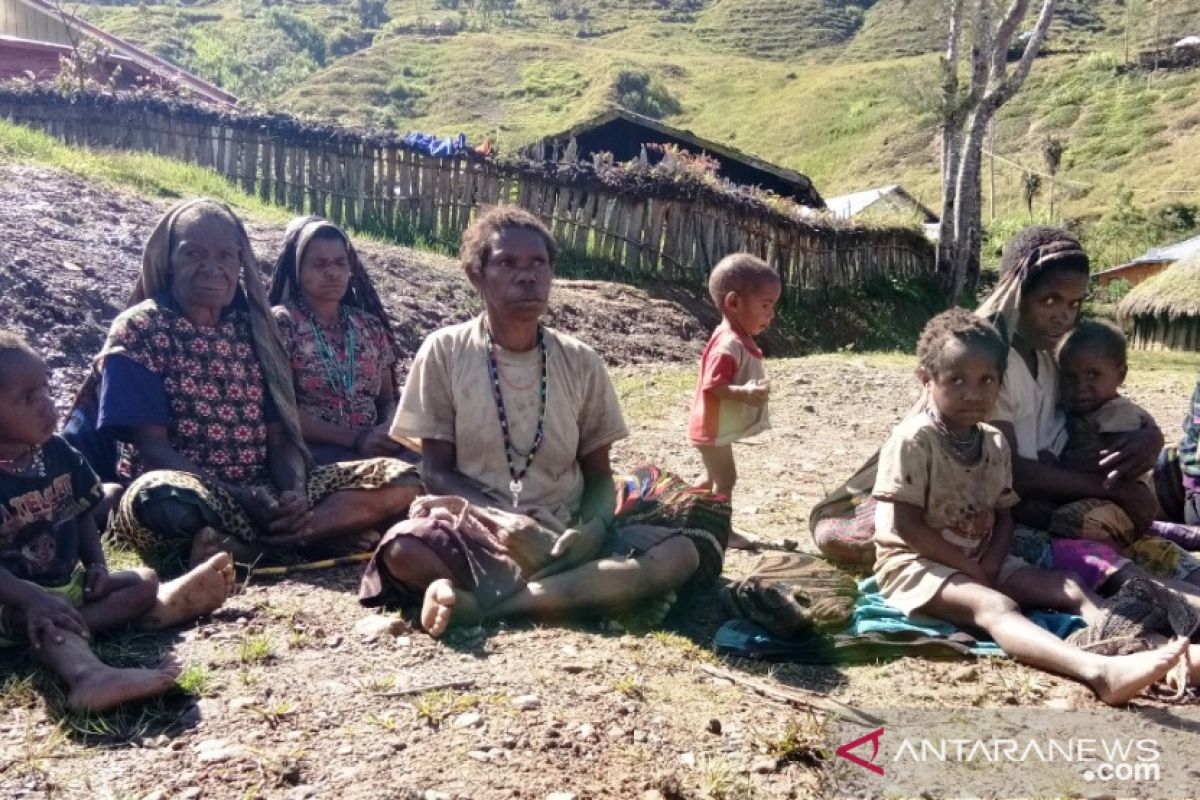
(341, 346)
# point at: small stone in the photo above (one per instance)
(190, 793)
(764, 766)
(345, 750)
(1061, 704)
(526, 702)
(653, 794)
(216, 751)
(431, 794)
(238, 703)
(301, 793)
(372, 626)
(810, 409)
(639, 736)
(616, 732)
(687, 759)
(470, 719)
(157, 794)
(480, 755)
(508, 742)
(562, 796)
(713, 726)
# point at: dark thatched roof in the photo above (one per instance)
(1173, 293)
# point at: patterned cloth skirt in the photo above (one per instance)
(480, 544)
(162, 510)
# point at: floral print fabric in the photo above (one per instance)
(373, 360)
(214, 385)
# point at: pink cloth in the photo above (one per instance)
(1094, 563)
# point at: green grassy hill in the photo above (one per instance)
(841, 90)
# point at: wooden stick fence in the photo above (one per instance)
(378, 184)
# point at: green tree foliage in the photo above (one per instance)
(638, 92)
(307, 36)
(1127, 230)
(372, 13)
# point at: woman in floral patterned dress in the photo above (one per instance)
(196, 383)
(341, 346)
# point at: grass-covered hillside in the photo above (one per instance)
(842, 90)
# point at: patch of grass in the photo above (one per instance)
(434, 707)
(197, 680)
(654, 396)
(631, 685)
(721, 780)
(691, 650)
(255, 650)
(804, 741)
(152, 176)
(18, 691)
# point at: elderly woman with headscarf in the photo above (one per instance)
(1037, 301)
(195, 379)
(516, 422)
(341, 345)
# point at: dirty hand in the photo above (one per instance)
(47, 616)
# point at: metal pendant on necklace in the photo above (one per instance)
(515, 486)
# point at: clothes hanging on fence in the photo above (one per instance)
(437, 146)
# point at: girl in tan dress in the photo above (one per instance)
(943, 525)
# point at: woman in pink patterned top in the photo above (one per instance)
(339, 341)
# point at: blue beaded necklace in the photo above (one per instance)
(341, 377)
(515, 484)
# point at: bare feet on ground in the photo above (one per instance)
(109, 687)
(443, 605)
(1123, 678)
(198, 592)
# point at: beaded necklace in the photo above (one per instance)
(36, 468)
(515, 485)
(965, 447)
(341, 377)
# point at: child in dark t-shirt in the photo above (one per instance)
(55, 587)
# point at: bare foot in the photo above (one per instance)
(110, 687)
(198, 592)
(209, 541)
(1123, 678)
(443, 604)
(206, 544)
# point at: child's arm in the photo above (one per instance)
(911, 526)
(91, 554)
(997, 549)
(45, 613)
(752, 394)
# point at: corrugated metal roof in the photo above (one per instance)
(1171, 253)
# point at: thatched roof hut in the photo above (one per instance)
(1164, 312)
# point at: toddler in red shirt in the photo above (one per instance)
(731, 395)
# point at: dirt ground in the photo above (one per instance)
(289, 699)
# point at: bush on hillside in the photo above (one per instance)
(638, 92)
(307, 36)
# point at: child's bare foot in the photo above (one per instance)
(109, 687)
(1123, 678)
(445, 604)
(198, 592)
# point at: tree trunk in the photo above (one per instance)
(964, 124)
